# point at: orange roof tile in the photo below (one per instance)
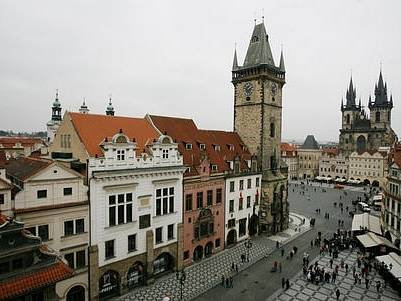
(24, 141)
(21, 285)
(184, 131)
(397, 155)
(331, 151)
(93, 128)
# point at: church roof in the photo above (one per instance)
(310, 143)
(381, 91)
(259, 51)
(351, 95)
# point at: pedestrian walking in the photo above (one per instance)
(231, 281)
(331, 262)
(378, 285)
(236, 268)
(287, 284)
(283, 283)
(279, 266)
(367, 283)
(222, 280)
(227, 282)
(282, 252)
(233, 266)
(338, 294)
(277, 244)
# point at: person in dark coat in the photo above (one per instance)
(287, 284)
(338, 294)
(282, 283)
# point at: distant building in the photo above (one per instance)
(360, 132)
(289, 155)
(368, 167)
(333, 166)
(308, 158)
(29, 269)
(14, 147)
(391, 210)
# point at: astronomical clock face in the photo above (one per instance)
(248, 89)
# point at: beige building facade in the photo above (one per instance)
(333, 166)
(369, 167)
(309, 154)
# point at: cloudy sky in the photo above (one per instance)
(175, 57)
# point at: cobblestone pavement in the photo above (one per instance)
(301, 289)
(206, 274)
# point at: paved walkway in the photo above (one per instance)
(206, 274)
(301, 289)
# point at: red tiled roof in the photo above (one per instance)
(92, 130)
(24, 167)
(24, 141)
(46, 276)
(289, 149)
(184, 131)
(331, 151)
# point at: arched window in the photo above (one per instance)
(348, 119)
(377, 116)
(272, 130)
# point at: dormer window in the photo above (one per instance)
(202, 146)
(217, 148)
(165, 153)
(214, 167)
(120, 155)
(188, 146)
(230, 147)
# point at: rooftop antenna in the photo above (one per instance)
(254, 17)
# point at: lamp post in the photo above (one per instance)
(181, 276)
(248, 246)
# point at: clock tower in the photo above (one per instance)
(258, 87)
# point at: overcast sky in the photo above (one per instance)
(174, 58)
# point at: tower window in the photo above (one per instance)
(255, 39)
(272, 130)
(377, 116)
(388, 116)
(348, 119)
(248, 98)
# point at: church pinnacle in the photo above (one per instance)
(351, 95)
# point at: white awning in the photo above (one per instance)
(394, 260)
(378, 197)
(319, 178)
(370, 239)
(365, 220)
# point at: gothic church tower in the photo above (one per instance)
(258, 87)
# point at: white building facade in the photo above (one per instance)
(370, 168)
(242, 205)
(334, 167)
(136, 214)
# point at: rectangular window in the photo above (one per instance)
(79, 226)
(249, 185)
(241, 204)
(164, 201)
(242, 227)
(132, 243)
(5, 267)
(232, 187)
(120, 209)
(257, 182)
(217, 243)
(43, 232)
(159, 235)
(188, 202)
(80, 256)
(17, 264)
(219, 195)
(109, 249)
(112, 216)
(144, 221)
(231, 223)
(67, 190)
(209, 197)
(165, 153)
(231, 206)
(186, 256)
(68, 228)
(241, 184)
(41, 194)
(170, 232)
(248, 201)
(120, 214)
(129, 213)
(1, 199)
(70, 259)
(121, 155)
(199, 199)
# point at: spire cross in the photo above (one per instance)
(263, 15)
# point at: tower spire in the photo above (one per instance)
(351, 95)
(235, 61)
(282, 66)
(110, 109)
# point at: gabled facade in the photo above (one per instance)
(289, 154)
(308, 158)
(14, 147)
(52, 201)
(136, 213)
(5, 193)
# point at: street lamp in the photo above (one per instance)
(181, 276)
(248, 246)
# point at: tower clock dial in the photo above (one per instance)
(248, 89)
